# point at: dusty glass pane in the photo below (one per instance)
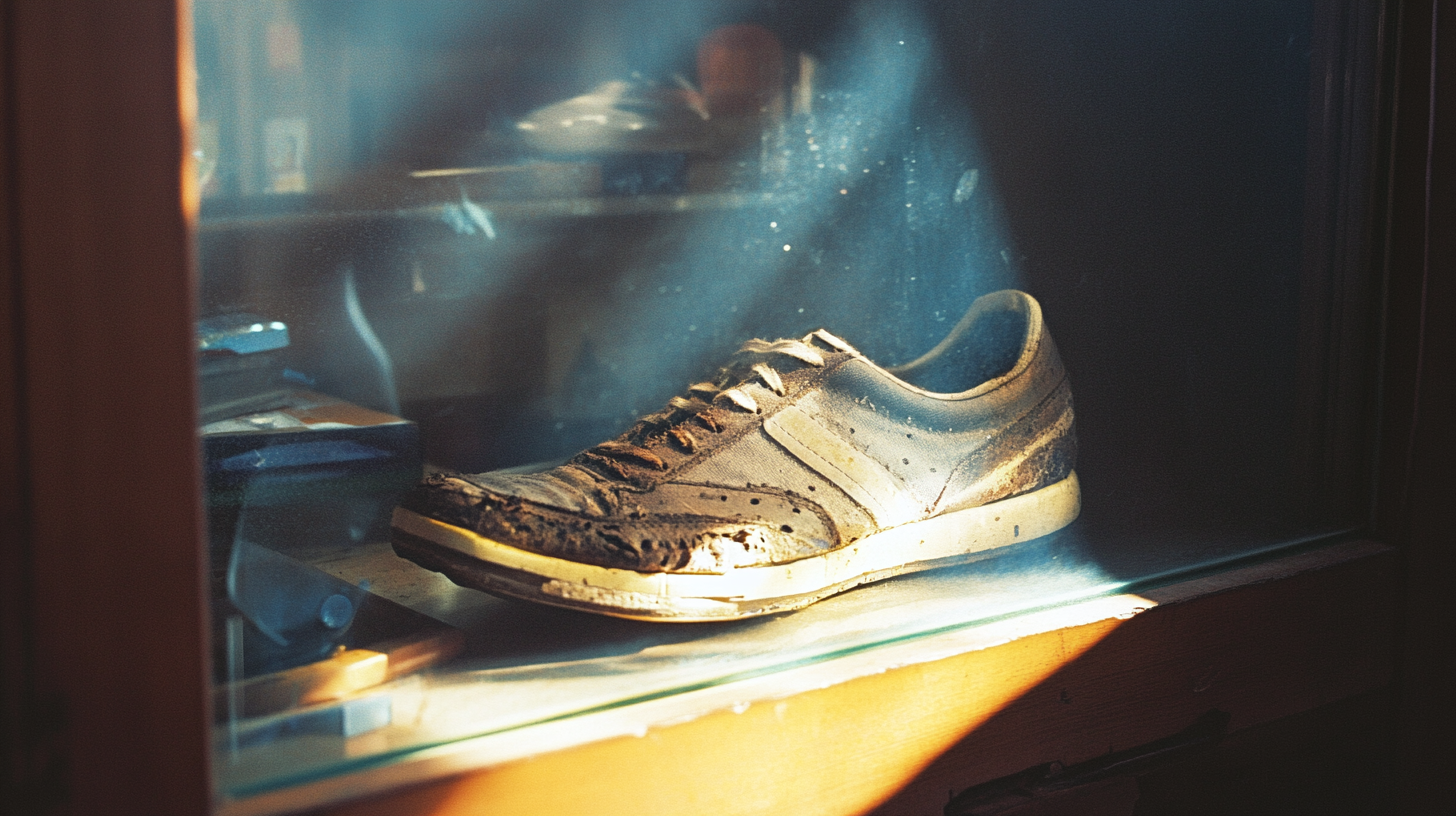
(462, 236)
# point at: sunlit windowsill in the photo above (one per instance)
(945, 709)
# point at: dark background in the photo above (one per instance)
(1141, 169)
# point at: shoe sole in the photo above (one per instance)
(474, 561)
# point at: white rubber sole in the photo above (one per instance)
(750, 591)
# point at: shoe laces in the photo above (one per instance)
(703, 407)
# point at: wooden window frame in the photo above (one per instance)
(102, 590)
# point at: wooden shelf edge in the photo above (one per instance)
(1260, 641)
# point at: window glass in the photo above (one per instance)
(456, 237)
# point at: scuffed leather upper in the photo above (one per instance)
(847, 450)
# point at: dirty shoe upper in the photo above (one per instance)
(797, 449)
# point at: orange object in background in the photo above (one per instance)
(741, 70)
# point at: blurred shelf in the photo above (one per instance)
(304, 212)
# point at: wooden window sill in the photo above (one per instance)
(896, 727)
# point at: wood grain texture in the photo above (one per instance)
(1417, 481)
(101, 254)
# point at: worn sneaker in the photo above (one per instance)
(802, 470)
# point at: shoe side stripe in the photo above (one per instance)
(845, 466)
(1000, 481)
